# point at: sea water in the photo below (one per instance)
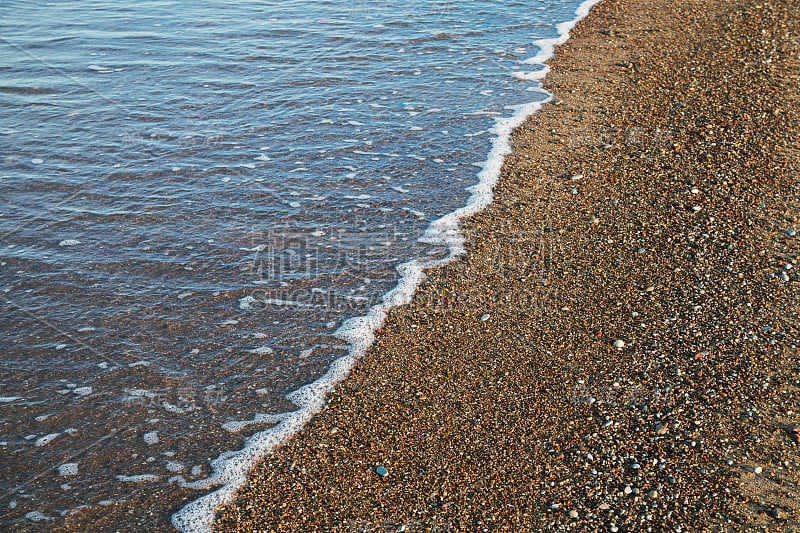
(207, 208)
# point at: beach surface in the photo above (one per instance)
(617, 351)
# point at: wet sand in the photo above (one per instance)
(617, 351)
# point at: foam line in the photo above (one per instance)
(230, 468)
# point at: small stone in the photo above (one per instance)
(652, 494)
(791, 232)
(619, 344)
(594, 220)
(627, 489)
(758, 470)
(604, 506)
(576, 177)
(485, 317)
(573, 514)
(381, 471)
(661, 429)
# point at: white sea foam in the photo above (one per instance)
(47, 439)
(248, 302)
(174, 466)
(291, 303)
(170, 408)
(238, 425)
(139, 393)
(68, 469)
(262, 350)
(37, 516)
(140, 478)
(230, 468)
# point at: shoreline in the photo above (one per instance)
(230, 469)
(495, 394)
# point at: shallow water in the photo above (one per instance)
(196, 195)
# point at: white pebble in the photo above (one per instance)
(619, 344)
(758, 470)
(485, 317)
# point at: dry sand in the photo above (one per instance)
(500, 398)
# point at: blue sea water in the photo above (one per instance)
(196, 196)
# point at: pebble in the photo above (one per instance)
(758, 470)
(381, 471)
(573, 514)
(619, 344)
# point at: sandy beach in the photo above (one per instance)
(617, 351)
